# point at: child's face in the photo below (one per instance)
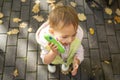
(65, 35)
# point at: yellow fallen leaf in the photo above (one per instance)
(13, 31)
(117, 19)
(108, 11)
(1, 15)
(109, 21)
(52, 6)
(73, 4)
(15, 73)
(37, 1)
(23, 0)
(91, 30)
(107, 62)
(117, 12)
(1, 21)
(16, 20)
(81, 16)
(51, 1)
(36, 8)
(38, 18)
(23, 25)
(30, 29)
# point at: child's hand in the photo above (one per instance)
(75, 68)
(53, 47)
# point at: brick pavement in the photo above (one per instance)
(22, 52)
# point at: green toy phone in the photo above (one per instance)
(51, 39)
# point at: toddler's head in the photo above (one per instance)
(63, 22)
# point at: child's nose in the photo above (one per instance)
(70, 40)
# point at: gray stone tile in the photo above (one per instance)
(117, 26)
(109, 28)
(116, 77)
(107, 69)
(63, 77)
(4, 26)
(32, 44)
(22, 48)
(25, 13)
(10, 56)
(1, 2)
(85, 69)
(26, 3)
(116, 63)
(1, 61)
(23, 32)
(14, 15)
(87, 9)
(42, 72)
(6, 8)
(104, 51)
(12, 40)
(16, 5)
(0, 77)
(7, 75)
(84, 27)
(39, 58)
(3, 38)
(113, 45)
(30, 76)
(90, 21)
(118, 37)
(31, 57)
(98, 17)
(20, 65)
(86, 47)
(95, 59)
(79, 2)
(101, 33)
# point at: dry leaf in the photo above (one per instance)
(1, 21)
(30, 29)
(13, 31)
(117, 19)
(1, 15)
(109, 21)
(91, 30)
(36, 8)
(38, 18)
(73, 4)
(16, 20)
(107, 62)
(23, 0)
(117, 12)
(51, 1)
(52, 6)
(108, 11)
(15, 73)
(23, 25)
(37, 1)
(81, 16)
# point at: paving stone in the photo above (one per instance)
(79, 9)
(30, 76)
(44, 5)
(79, 2)
(10, 56)
(83, 26)
(64, 77)
(95, 59)
(3, 38)
(4, 26)
(104, 51)
(98, 17)
(86, 47)
(26, 3)
(118, 37)
(14, 15)
(0, 77)
(1, 2)
(7, 75)
(101, 33)
(90, 21)
(107, 69)
(31, 61)
(85, 69)
(113, 45)
(116, 63)
(1, 61)
(16, 6)
(23, 32)
(21, 48)
(6, 8)
(39, 58)
(32, 44)
(25, 13)
(117, 26)
(109, 28)
(12, 40)
(116, 77)
(106, 16)
(20, 65)
(42, 72)
(87, 8)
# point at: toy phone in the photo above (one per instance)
(51, 39)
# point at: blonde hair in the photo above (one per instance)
(62, 16)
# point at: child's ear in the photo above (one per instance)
(51, 31)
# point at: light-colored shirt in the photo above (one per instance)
(43, 43)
